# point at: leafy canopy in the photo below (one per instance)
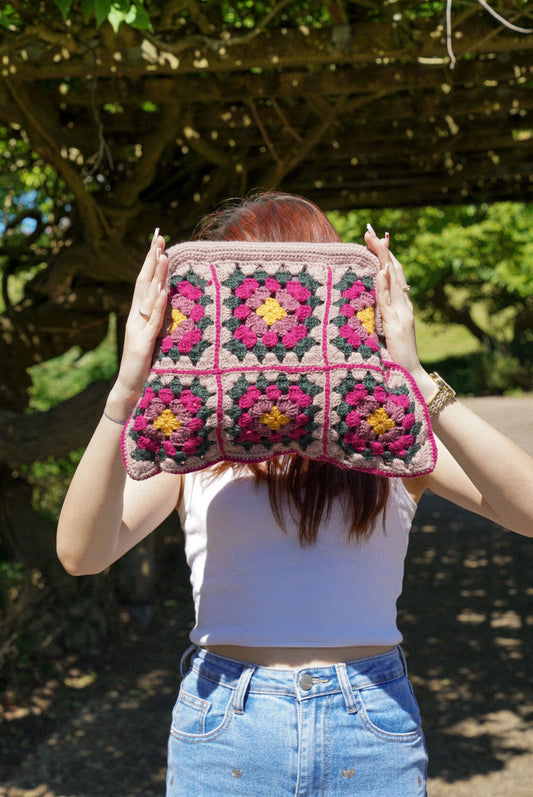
(132, 12)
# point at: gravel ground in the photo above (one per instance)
(101, 729)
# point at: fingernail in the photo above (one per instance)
(156, 234)
(158, 254)
(387, 236)
(371, 229)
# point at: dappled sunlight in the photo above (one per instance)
(467, 624)
(464, 615)
(101, 729)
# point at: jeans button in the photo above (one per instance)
(306, 682)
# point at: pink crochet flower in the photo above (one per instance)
(169, 449)
(246, 336)
(401, 445)
(271, 314)
(273, 392)
(242, 311)
(247, 288)
(270, 339)
(189, 339)
(166, 395)
(190, 447)
(197, 313)
(298, 291)
(356, 395)
(272, 414)
(272, 285)
(148, 396)
(140, 423)
(373, 421)
(191, 402)
(357, 333)
(297, 333)
(169, 422)
(184, 336)
(189, 291)
(354, 291)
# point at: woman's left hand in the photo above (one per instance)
(395, 306)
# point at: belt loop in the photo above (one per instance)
(402, 658)
(346, 688)
(185, 662)
(242, 686)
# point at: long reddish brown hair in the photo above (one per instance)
(306, 487)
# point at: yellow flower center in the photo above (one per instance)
(167, 423)
(271, 311)
(274, 419)
(367, 319)
(177, 318)
(380, 421)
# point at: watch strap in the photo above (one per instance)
(444, 395)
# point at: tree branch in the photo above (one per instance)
(66, 427)
(222, 43)
(142, 175)
(93, 218)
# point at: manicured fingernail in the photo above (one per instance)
(158, 254)
(371, 229)
(387, 236)
(156, 234)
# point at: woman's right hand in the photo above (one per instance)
(142, 327)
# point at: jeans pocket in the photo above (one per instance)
(196, 718)
(390, 710)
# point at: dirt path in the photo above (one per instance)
(101, 729)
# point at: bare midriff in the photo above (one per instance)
(283, 658)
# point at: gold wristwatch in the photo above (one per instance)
(444, 395)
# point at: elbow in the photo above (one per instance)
(72, 566)
(76, 565)
(77, 559)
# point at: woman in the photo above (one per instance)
(295, 684)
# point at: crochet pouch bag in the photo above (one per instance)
(270, 348)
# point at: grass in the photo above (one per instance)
(441, 341)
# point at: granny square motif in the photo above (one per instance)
(271, 348)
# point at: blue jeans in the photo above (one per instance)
(346, 729)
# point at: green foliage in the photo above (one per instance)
(64, 376)
(50, 480)
(132, 12)
(8, 17)
(54, 381)
(243, 14)
(248, 13)
(471, 261)
(469, 265)
(35, 209)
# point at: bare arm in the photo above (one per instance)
(105, 513)
(478, 468)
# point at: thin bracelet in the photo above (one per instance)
(109, 418)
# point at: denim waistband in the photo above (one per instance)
(302, 683)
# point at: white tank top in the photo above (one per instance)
(254, 584)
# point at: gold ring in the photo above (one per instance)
(406, 288)
(144, 315)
